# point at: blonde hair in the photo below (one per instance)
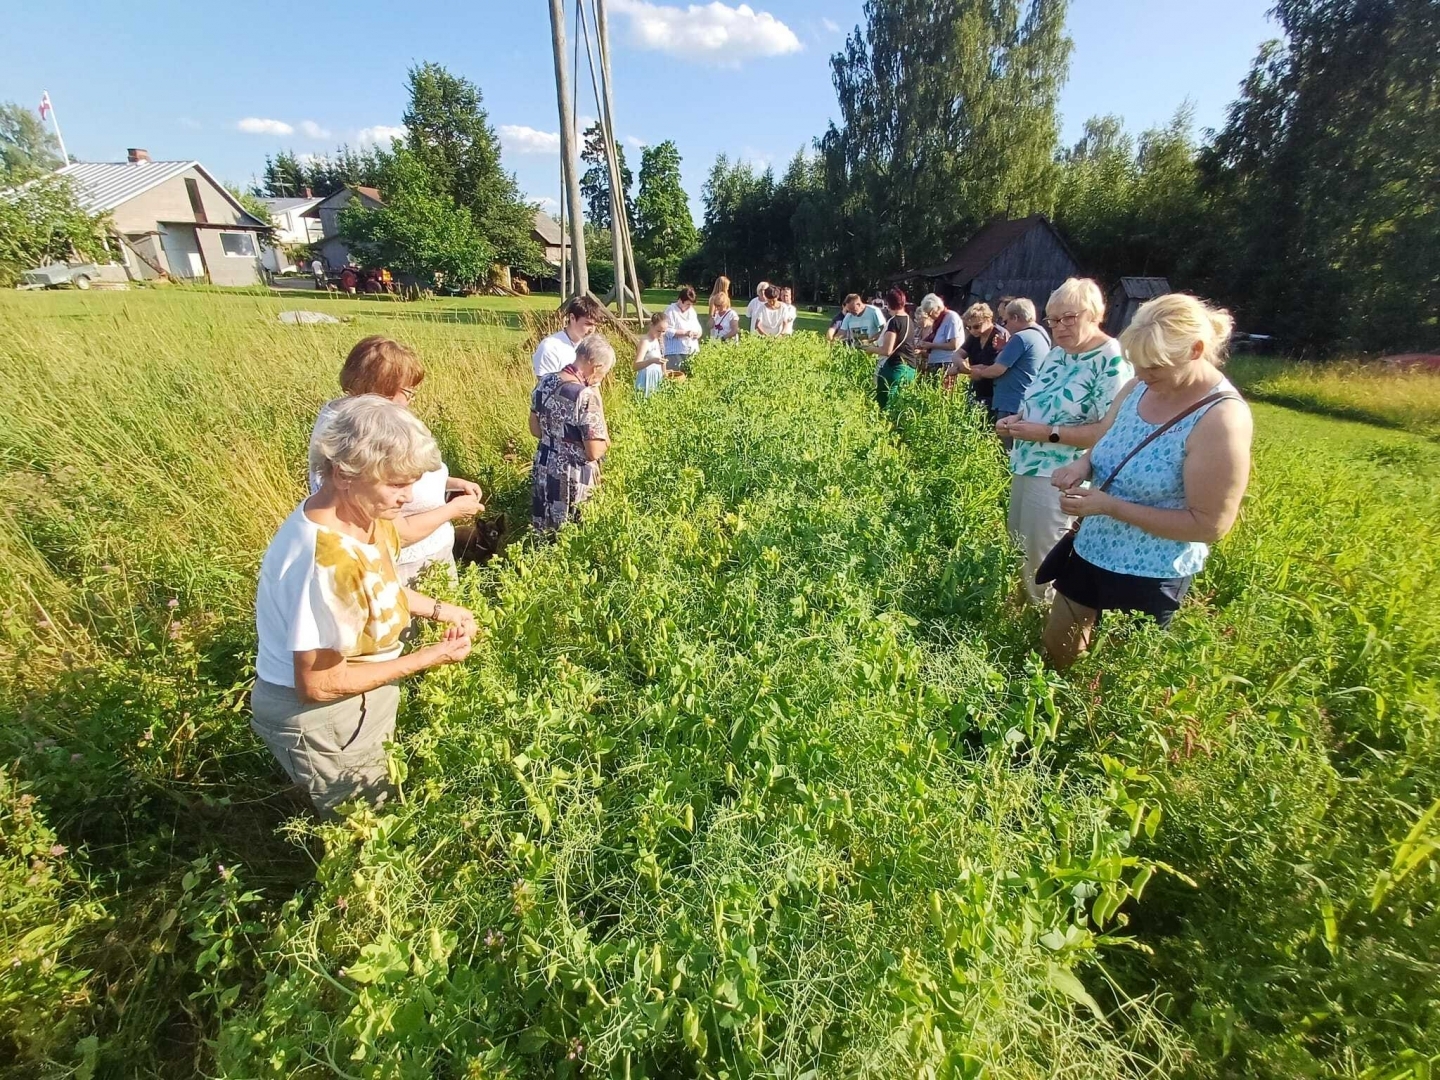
(371, 438)
(1165, 330)
(720, 302)
(930, 304)
(380, 365)
(722, 285)
(1080, 294)
(981, 309)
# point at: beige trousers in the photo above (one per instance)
(1037, 524)
(334, 750)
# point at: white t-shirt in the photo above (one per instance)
(322, 589)
(950, 331)
(727, 323)
(755, 304)
(771, 320)
(427, 494)
(677, 320)
(555, 353)
(789, 327)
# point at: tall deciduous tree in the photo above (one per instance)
(42, 222)
(449, 134)
(1322, 188)
(27, 150)
(948, 117)
(595, 182)
(664, 230)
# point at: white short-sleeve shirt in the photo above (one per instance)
(554, 353)
(771, 320)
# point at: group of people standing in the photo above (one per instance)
(1127, 457)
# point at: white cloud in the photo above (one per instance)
(189, 122)
(830, 25)
(520, 139)
(548, 204)
(759, 160)
(255, 125)
(379, 133)
(312, 130)
(715, 31)
(638, 144)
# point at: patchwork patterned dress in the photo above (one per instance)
(569, 413)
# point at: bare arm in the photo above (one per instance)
(884, 347)
(413, 528)
(1217, 471)
(323, 675)
(643, 357)
(535, 425)
(1081, 435)
(988, 371)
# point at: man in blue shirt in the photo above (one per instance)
(1015, 367)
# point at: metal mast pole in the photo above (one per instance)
(579, 277)
(55, 119)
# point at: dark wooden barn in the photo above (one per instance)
(1020, 257)
(1126, 297)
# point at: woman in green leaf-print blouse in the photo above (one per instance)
(1059, 419)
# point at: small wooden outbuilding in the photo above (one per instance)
(1127, 296)
(1007, 257)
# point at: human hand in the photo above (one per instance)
(461, 618)
(466, 505)
(1072, 475)
(450, 649)
(1084, 502)
(1028, 431)
(469, 487)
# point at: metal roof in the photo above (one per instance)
(101, 186)
(279, 206)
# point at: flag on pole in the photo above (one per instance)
(45, 107)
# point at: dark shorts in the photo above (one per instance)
(1105, 590)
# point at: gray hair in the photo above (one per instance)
(1081, 293)
(931, 304)
(371, 438)
(597, 351)
(1021, 308)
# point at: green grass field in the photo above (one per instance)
(753, 774)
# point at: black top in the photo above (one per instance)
(900, 325)
(983, 354)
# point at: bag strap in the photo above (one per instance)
(1221, 395)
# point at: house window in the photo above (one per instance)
(192, 188)
(239, 245)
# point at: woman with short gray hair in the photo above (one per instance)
(568, 417)
(330, 609)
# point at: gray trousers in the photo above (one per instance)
(334, 750)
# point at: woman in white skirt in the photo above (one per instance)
(379, 365)
(330, 609)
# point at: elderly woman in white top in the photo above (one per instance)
(1060, 417)
(330, 608)
(378, 365)
(682, 331)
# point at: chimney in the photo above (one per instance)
(308, 193)
(135, 156)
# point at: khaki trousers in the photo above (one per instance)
(1037, 524)
(334, 750)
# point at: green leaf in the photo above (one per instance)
(1064, 981)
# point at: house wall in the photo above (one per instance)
(1033, 266)
(149, 246)
(227, 269)
(169, 202)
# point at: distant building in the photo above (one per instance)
(1126, 298)
(546, 233)
(172, 217)
(333, 251)
(292, 228)
(1022, 257)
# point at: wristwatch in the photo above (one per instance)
(1054, 433)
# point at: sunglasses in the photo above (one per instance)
(409, 392)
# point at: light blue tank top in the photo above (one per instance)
(1153, 477)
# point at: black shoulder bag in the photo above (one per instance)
(1059, 555)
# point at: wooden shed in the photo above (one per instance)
(1007, 257)
(1127, 296)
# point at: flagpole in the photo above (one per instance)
(55, 119)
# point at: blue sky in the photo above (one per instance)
(227, 85)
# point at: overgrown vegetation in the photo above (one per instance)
(752, 774)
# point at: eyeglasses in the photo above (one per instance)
(409, 392)
(974, 326)
(1070, 318)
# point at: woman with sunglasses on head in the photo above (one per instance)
(379, 365)
(1059, 419)
(984, 341)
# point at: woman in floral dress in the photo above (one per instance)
(568, 417)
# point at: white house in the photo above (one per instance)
(292, 227)
(326, 211)
(171, 217)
